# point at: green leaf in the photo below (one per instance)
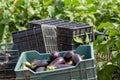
(101, 65)
(102, 48)
(92, 8)
(90, 1)
(104, 25)
(75, 2)
(51, 11)
(107, 72)
(87, 40)
(59, 16)
(48, 2)
(111, 42)
(112, 32)
(117, 44)
(67, 2)
(70, 15)
(1, 32)
(99, 39)
(78, 39)
(92, 17)
(59, 5)
(116, 58)
(81, 8)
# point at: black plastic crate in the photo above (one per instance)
(65, 34)
(7, 74)
(63, 46)
(23, 40)
(64, 31)
(42, 39)
(16, 37)
(8, 58)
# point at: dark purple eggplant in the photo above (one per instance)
(54, 63)
(76, 58)
(39, 63)
(59, 60)
(62, 66)
(54, 55)
(68, 56)
(39, 69)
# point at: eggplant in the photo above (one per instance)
(58, 66)
(76, 58)
(59, 60)
(68, 56)
(54, 55)
(39, 69)
(62, 66)
(39, 63)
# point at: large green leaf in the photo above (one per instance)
(59, 5)
(113, 32)
(104, 25)
(78, 39)
(51, 11)
(70, 14)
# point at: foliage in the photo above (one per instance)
(103, 15)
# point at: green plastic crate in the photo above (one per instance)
(84, 70)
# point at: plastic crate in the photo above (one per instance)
(65, 31)
(84, 70)
(20, 39)
(50, 38)
(8, 58)
(65, 34)
(42, 39)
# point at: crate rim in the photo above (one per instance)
(74, 27)
(30, 22)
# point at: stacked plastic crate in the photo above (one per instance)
(65, 31)
(8, 59)
(49, 35)
(29, 40)
(41, 36)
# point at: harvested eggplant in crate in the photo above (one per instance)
(51, 66)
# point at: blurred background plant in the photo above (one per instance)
(103, 15)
